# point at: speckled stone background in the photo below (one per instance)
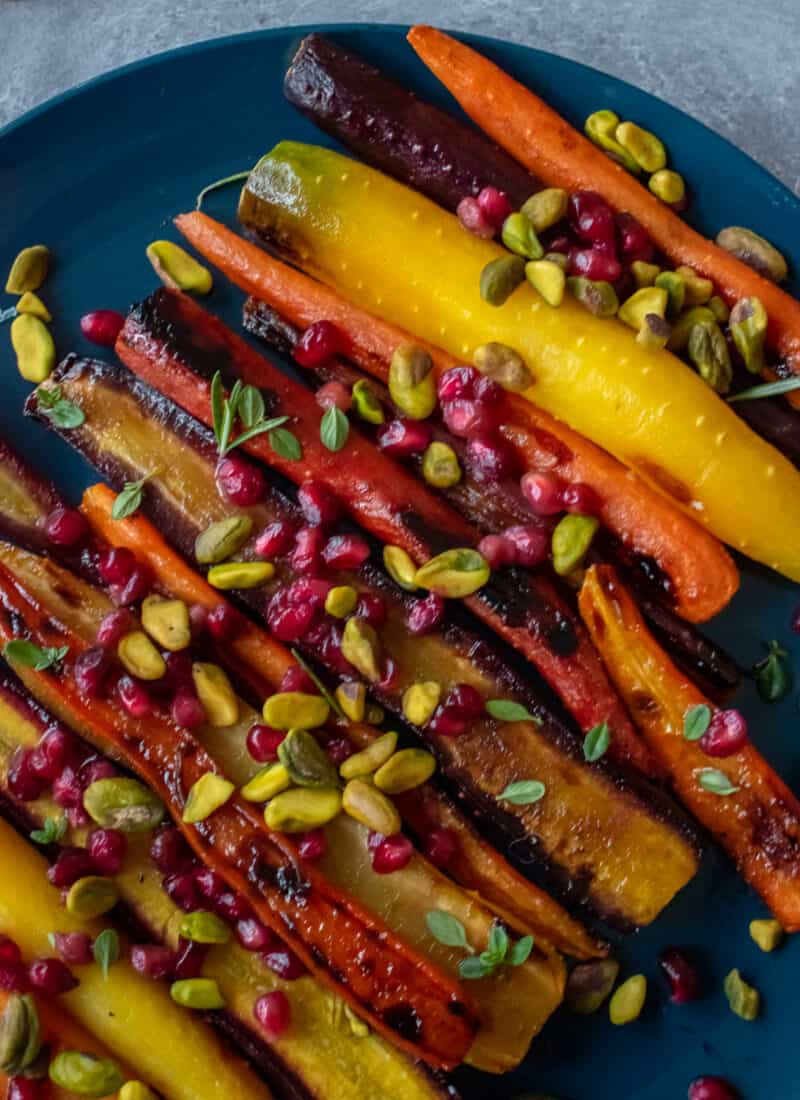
(730, 63)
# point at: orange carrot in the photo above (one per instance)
(702, 573)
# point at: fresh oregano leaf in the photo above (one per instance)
(106, 950)
(696, 721)
(58, 409)
(285, 444)
(473, 967)
(446, 929)
(520, 951)
(334, 428)
(596, 742)
(251, 407)
(33, 656)
(130, 499)
(772, 675)
(506, 710)
(523, 793)
(497, 943)
(715, 781)
(53, 829)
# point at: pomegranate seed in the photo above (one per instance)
(592, 218)
(283, 962)
(262, 742)
(334, 394)
(14, 977)
(210, 883)
(198, 619)
(57, 748)
(186, 710)
(486, 392)
(473, 218)
(561, 243)
(253, 935)
(581, 499)
(114, 626)
(490, 458)
(712, 1088)
(495, 206)
(320, 342)
(134, 589)
(277, 538)
(9, 951)
(390, 677)
(134, 697)
(116, 565)
(223, 622)
(456, 714)
(72, 863)
(188, 960)
(307, 553)
(24, 1088)
(372, 608)
(23, 782)
(107, 848)
(681, 975)
(102, 326)
(425, 614)
(274, 1013)
(634, 240)
(96, 767)
(51, 976)
(318, 504)
(374, 840)
(296, 678)
(497, 550)
(77, 817)
(312, 845)
(392, 854)
(726, 734)
(289, 621)
(67, 789)
(179, 669)
(90, 671)
(74, 948)
(65, 526)
(594, 264)
(152, 960)
(232, 907)
(182, 888)
(239, 481)
(466, 418)
(169, 851)
(403, 438)
(339, 749)
(529, 544)
(543, 492)
(345, 552)
(441, 846)
(457, 383)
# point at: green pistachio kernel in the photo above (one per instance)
(719, 308)
(222, 539)
(698, 289)
(306, 761)
(644, 274)
(29, 270)
(679, 338)
(365, 404)
(352, 698)
(215, 692)
(370, 807)
(303, 808)
(207, 794)
(628, 1001)
(167, 622)
(203, 926)
(503, 365)
(743, 999)
(667, 186)
(768, 934)
(454, 573)
(546, 207)
(32, 303)
(654, 331)
(296, 710)
(341, 601)
(176, 268)
(572, 538)
(136, 1090)
(369, 759)
(266, 783)
(85, 1074)
(420, 701)
(601, 128)
(123, 803)
(548, 279)
(240, 574)
(405, 770)
(748, 321)
(440, 467)
(33, 346)
(412, 386)
(91, 897)
(202, 994)
(708, 350)
(598, 297)
(755, 251)
(519, 237)
(589, 985)
(500, 278)
(400, 566)
(650, 299)
(360, 646)
(557, 258)
(20, 1035)
(140, 657)
(646, 149)
(675, 286)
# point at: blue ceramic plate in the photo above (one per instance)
(98, 173)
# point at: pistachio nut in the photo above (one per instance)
(400, 566)
(679, 337)
(140, 657)
(454, 573)
(654, 331)
(589, 985)
(120, 802)
(767, 934)
(708, 350)
(405, 770)
(206, 796)
(500, 278)
(646, 149)
(203, 926)
(266, 783)
(306, 762)
(698, 289)
(360, 646)
(753, 250)
(748, 321)
(598, 297)
(29, 269)
(352, 698)
(503, 365)
(650, 299)
(20, 1038)
(91, 897)
(215, 692)
(176, 268)
(440, 467)
(546, 207)
(32, 303)
(420, 701)
(519, 237)
(719, 308)
(85, 1074)
(33, 346)
(601, 128)
(560, 259)
(644, 274)
(667, 186)
(303, 808)
(167, 622)
(341, 601)
(240, 574)
(295, 710)
(412, 386)
(136, 1090)
(369, 759)
(572, 538)
(743, 999)
(202, 994)
(374, 715)
(365, 404)
(548, 278)
(222, 539)
(370, 807)
(675, 286)
(628, 1001)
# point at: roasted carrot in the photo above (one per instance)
(758, 822)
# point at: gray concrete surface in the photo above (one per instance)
(730, 63)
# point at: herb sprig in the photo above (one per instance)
(53, 829)
(772, 675)
(246, 405)
(58, 409)
(499, 951)
(767, 389)
(39, 658)
(129, 500)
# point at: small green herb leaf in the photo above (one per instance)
(768, 389)
(497, 943)
(596, 742)
(446, 929)
(26, 653)
(715, 781)
(506, 710)
(130, 499)
(251, 407)
(106, 950)
(772, 675)
(285, 444)
(523, 793)
(696, 721)
(520, 951)
(53, 829)
(58, 410)
(217, 406)
(258, 429)
(334, 429)
(473, 967)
